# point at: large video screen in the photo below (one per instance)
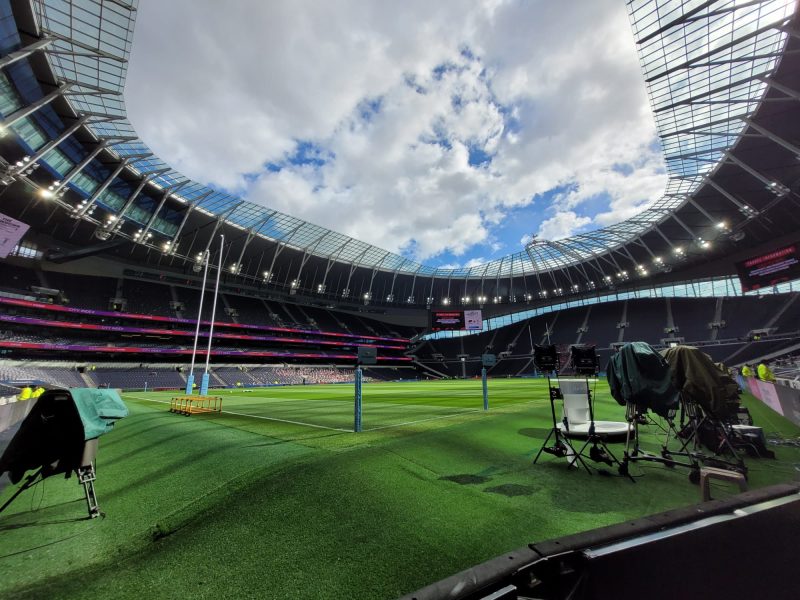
(456, 320)
(769, 269)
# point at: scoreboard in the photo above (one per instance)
(769, 269)
(456, 320)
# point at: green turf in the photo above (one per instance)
(232, 506)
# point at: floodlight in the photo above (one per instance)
(545, 358)
(584, 359)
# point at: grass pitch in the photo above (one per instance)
(275, 498)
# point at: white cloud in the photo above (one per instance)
(562, 224)
(551, 92)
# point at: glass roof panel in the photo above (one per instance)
(701, 62)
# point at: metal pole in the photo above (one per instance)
(190, 378)
(204, 383)
(485, 389)
(357, 411)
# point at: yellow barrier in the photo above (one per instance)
(190, 405)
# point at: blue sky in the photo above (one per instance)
(445, 133)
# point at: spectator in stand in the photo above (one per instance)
(747, 371)
(764, 373)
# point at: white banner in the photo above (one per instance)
(11, 232)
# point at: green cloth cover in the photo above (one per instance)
(700, 380)
(638, 374)
(98, 409)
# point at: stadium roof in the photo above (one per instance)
(707, 66)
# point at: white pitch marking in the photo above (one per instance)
(228, 412)
(422, 420)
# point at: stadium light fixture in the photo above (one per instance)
(46, 193)
(678, 250)
(445, 301)
(722, 225)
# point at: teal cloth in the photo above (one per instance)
(98, 409)
(639, 374)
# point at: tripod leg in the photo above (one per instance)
(29, 482)
(86, 477)
(549, 435)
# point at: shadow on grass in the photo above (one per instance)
(511, 490)
(13, 526)
(465, 479)
(535, 433)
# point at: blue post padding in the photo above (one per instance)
(357, 410)
(189, 384)
(485, 390)
(204, 385)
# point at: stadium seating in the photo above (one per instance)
(645, 320)
(139, 378)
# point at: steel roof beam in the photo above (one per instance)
(93, 51)
(175, 239)
(308, 253)
(251, 234)
(792, 93)
(79, 167)
(773, 137)
(772, 185)
(696, 99)
(745, 208)
(52, 144)
(31, 108)
(675, 22)
(702, 210)
(774, 25)
(167, 191)
(24, 52)
(103, 187)
(134, 195)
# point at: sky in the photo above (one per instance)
(450, 132)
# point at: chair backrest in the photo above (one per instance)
(576, 400)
